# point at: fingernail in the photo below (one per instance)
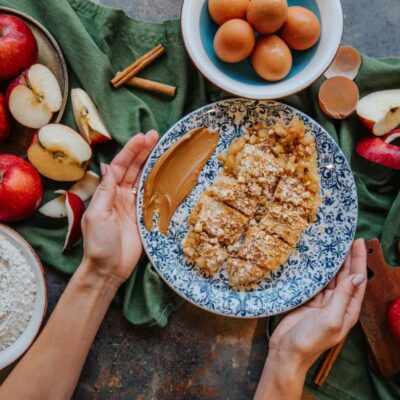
(151, 132)
(103, 169)
(358, 280)
(361, 240)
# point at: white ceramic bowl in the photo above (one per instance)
(240, 79)
(18, 348)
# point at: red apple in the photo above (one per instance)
(376, 150)
(393, 319)
(20, 188)
(4, 120)
(18, 46)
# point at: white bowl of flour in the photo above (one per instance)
(23, 296)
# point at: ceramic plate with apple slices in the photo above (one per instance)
(51, 56)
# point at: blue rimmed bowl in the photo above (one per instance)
(240, 79)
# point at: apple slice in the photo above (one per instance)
(380, 111)
(376, 150)
(75, 210)
(59, 153)
(84, 188)
(55, 208)
(87, 118)
(34, 96)
(392, 136)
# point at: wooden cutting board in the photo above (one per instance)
(383, 287)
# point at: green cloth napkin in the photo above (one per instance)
(97, 42)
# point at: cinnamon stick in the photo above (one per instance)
(326, 367)
(153, 86)
(134, 68)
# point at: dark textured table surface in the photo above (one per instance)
(199, 355)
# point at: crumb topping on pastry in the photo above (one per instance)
(250, 220)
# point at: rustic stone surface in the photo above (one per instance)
(371, 27)
(199, 355)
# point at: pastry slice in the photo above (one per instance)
(218, 220)
(242, 197)
(257, 164)
(284, 221)
(268, 251)
(244, 274)
(204, 251)
(299, 193)
(253, 164)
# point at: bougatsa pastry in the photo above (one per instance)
(297, 192)
(244, 274)
(285, 221)
(240, 196)
(249, 160)
(218, 220)
(205, 251)
(266, 250)
(251, 218)
(253, 164)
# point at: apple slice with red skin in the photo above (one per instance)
(376, 150)
(380, 111)
(34, 97)
(59, 153)
(84, 188)
(392, 136)
(88, 119)
(55, 208)
(75, 210)
(4, 120)
(18, 46)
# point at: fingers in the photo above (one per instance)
(359, 258)
(132, 173)
(348, 290)
(358, 267)
(103, 199)
(125, 157)
(354, 261)
(354, 307)
(345, 270)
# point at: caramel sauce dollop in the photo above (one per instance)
(175, 174)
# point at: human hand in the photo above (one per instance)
(111, 241)
(304, 334)
(320, 324)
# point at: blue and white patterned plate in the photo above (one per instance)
(320, 251)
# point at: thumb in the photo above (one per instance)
(342, 296)
(104, 197)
